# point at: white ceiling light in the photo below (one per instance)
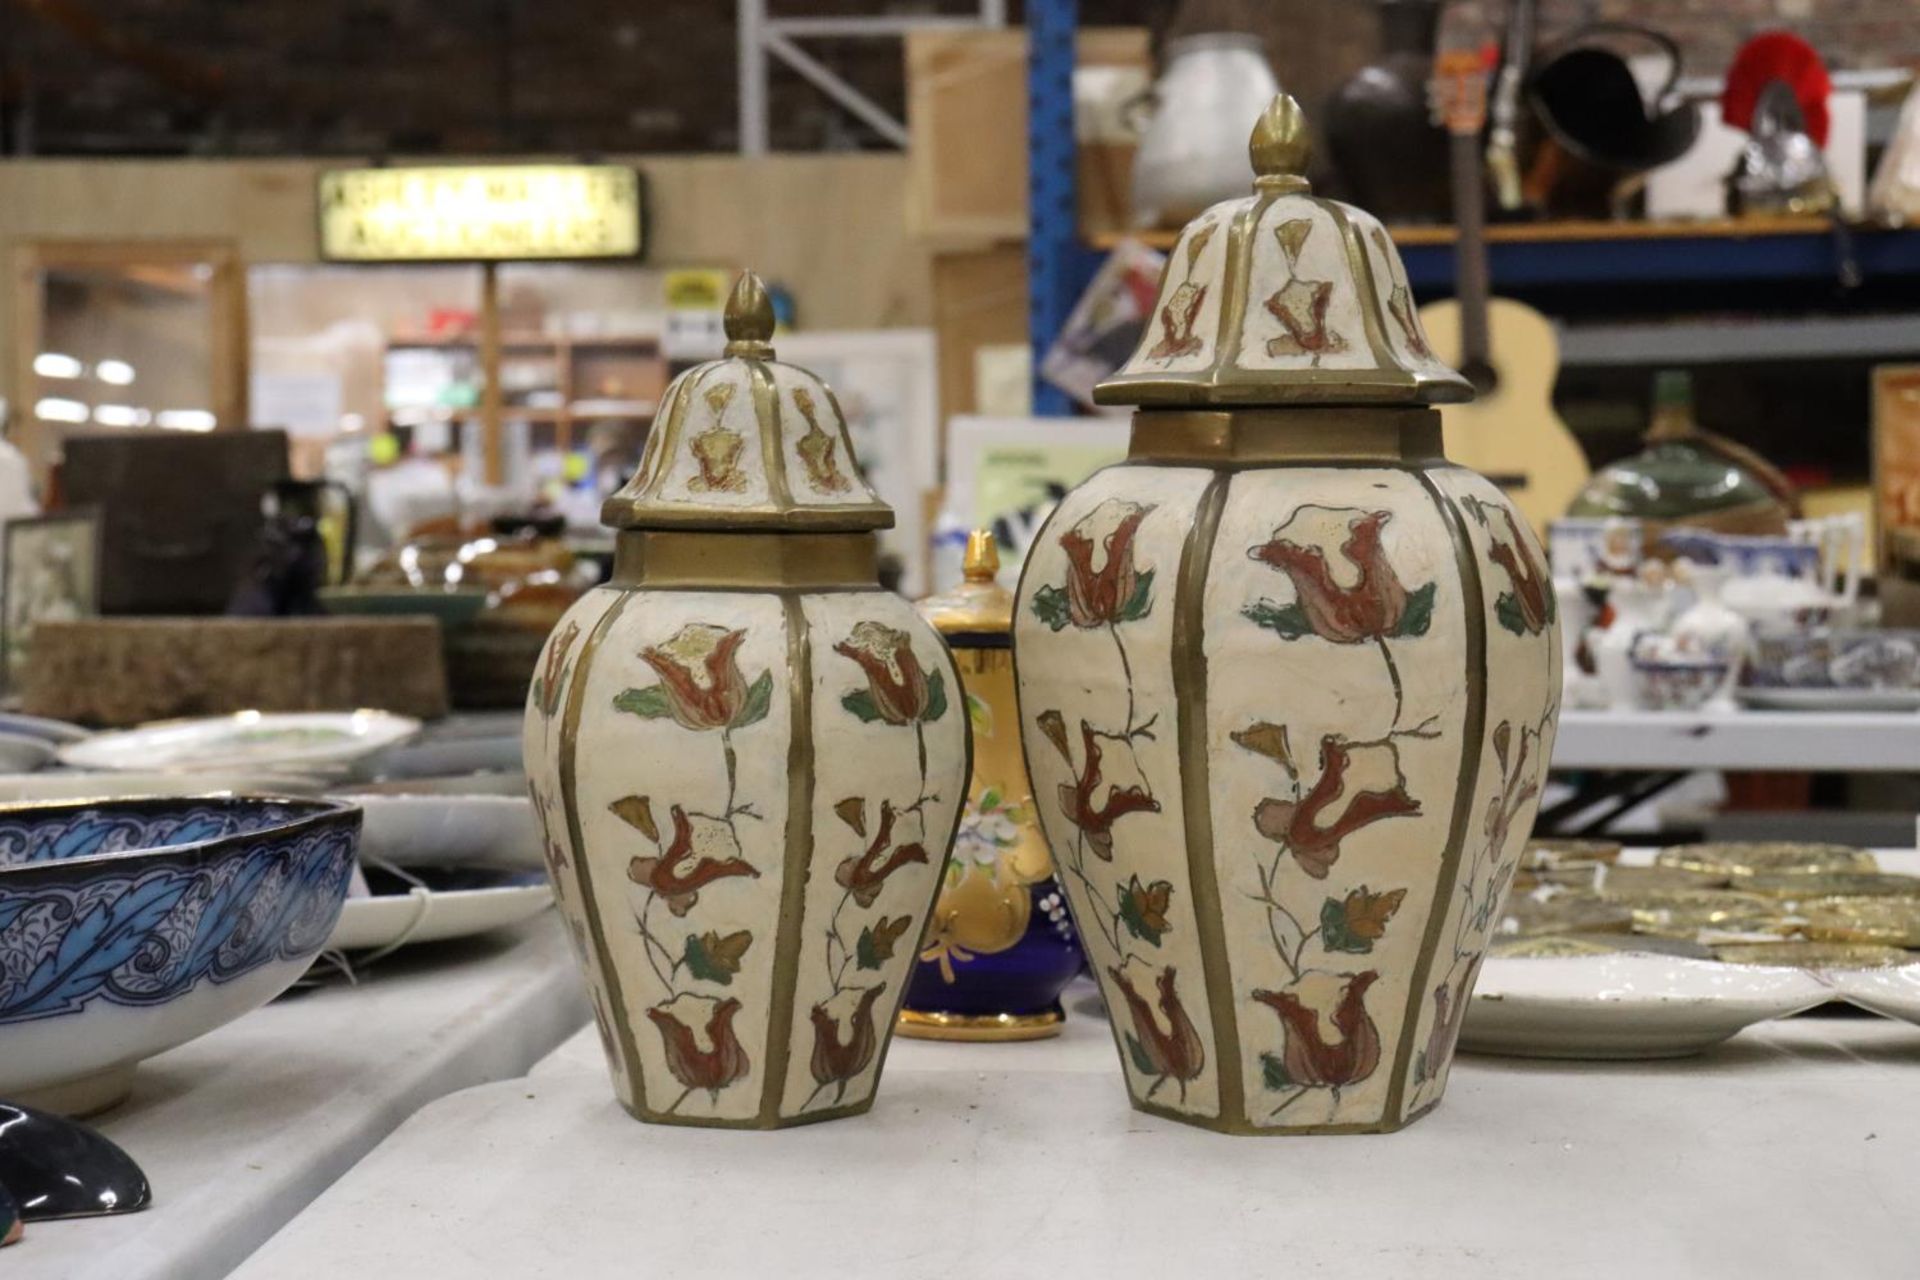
(121, 415)
(53, 364)
(116, 372)
(55, 409)
(185, 419)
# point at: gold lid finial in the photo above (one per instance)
(1281, 145)
(749, 318)
(982, 563)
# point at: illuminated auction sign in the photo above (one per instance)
(495, 213)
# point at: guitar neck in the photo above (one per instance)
(1470, 247)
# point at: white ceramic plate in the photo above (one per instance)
(247, 740)
(23, 752)
(1889, 992)
(368, 923)
(1626, 1005)
(75, 784)
(58, 732)
(1829, 699)
(497, 832)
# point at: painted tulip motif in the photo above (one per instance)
(817, 449)
(1312, 826)
(1309, 1058)
(1373, 606)
(1090, 812)
(1485, 878)
(899, 690)
(865, 875)
(702, 1051)
(701, 851)
(701, 685)
(1171, 1052)
(1104, 596)
(1527, 607)
(844, 1038)
(551, 679)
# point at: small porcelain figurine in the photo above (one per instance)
(749, 760)
(1001, 946)
(1289, 681)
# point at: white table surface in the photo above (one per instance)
(1863, 741)
(241, 1129)
(1791, 1150)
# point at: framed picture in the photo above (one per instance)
(51, 574)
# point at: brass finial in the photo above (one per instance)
(982, 562)
(749, 318)
(1281, 145)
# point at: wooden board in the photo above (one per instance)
(979, 299)
(967, 127)
(125, 671)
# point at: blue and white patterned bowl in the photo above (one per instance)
(130, 926)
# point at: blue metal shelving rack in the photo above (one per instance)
(1058, 264)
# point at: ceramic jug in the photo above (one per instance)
(748, 759)
(1183, 164)
(1288, 681)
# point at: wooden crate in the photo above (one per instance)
(126, 671)
(967, 125)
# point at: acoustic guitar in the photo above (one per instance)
(1510, 432)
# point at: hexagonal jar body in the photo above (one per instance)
(1287, 681)
(746, 816)
(1287, 725)
(748, 759)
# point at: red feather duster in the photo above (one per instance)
(1777, 55)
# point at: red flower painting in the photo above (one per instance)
(700, 851)
(1095, 819)
(843, 1044)
(1312, 827)
(1309, 1058)
(899, 691)
(1170, 1052)
(1362, 601)
(864, 875)
(704, 1054)
(1106, 591)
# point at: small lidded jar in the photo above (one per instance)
(747, 757)
(1000, 947)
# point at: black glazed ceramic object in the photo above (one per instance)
(57, 1168)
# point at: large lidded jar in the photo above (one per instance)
(1287, 681)
(748, 759)
(1001, 947)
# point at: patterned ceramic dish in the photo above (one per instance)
(1625, 1006)
(1682, 913)
(129, 927)
(1620, 880)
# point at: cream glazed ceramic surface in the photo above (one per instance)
(1327, 624)
(748, 797)
(747, 759)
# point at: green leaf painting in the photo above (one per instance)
(1050, 606)
(650, 702)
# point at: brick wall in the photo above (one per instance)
(479, 76)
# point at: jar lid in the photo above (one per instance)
(1283, 298)
(747, 443)
(978, 604)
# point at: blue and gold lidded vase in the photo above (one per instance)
(1000, 947)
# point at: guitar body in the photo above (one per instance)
(1512, 435)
